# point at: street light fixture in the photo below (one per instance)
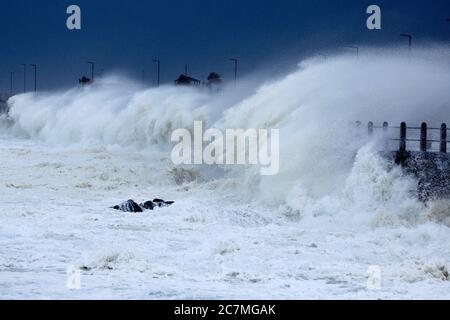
(35, 76)
(235, 69)
(158, 70)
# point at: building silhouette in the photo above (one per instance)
(185, 80)
(83, 81)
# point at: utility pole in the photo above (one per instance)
(92, 69)
(35, 76)
(235, 69)
(409, 40)
(24, 77)
(159, 69)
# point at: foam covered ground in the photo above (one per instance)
(210, 244)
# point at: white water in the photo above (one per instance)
(310, 231)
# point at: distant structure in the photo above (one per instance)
(185, 80)
(84, 81)
(3, 103)
(214, 79)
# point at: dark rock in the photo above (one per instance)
(149, 205)
(158, 202)
(128, 206)
(161, 203)
(131, 206)
(431, 170)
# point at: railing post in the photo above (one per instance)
(402, 137)
(385, 135)
(370, 128)
(443, 147)
(423, 137)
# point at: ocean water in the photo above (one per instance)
(335, 211)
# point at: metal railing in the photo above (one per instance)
(424, 141)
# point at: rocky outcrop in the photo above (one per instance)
(128, 206)
(431, 169)
(132, 206)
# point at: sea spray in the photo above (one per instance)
(327, 166)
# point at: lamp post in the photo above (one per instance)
(35, 76)
(158, 70)
(235, 69)
(409, 40)
(92, 69)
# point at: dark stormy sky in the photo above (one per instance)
(126, 35)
